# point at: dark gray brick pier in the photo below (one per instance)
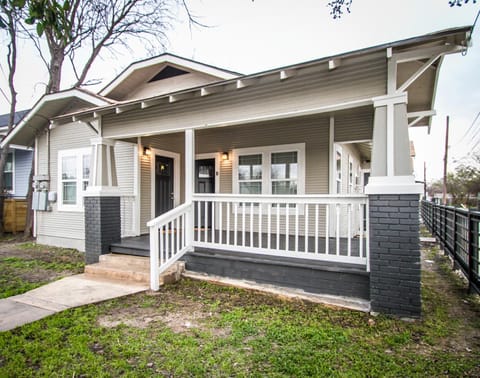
(102, 226)
(395, 254)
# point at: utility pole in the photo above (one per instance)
(445, 158)
(425, 180)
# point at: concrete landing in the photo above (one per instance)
(60, 295)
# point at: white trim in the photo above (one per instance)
(266, 152)
(167, 59)
(393, 185)
(216, 156)
(390, 140)
(10, 151)
(337, 149)
(137, 183)
(176, 177)
(331, 154)
(78, 153)
(52, 97)
(102, 191)
(396, 98)
(350, 177)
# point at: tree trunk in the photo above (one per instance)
(55, 69)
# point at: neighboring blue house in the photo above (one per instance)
(17, 168)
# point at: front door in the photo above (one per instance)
(204, 183)
(164, 195)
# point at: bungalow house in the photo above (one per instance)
(19, 161)
(298, 176)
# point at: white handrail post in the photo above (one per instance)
(189, 183)
(154, 263)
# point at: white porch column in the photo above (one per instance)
(103, 173)
(391, 171)
(189, 181)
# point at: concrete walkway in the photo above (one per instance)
(60, 295)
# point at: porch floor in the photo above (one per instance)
(140, 245)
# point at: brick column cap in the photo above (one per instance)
(393, 185)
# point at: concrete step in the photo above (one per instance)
(131, 269)
(126, 260)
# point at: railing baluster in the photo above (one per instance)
(154, 263)
(296, 228)
(205, 221)
(278, 227)
(316, 227)
(327, 229)
(220, 222)
(172, 239)
(177, 232)
(198, 221)
(235, 224)
(349, 231)
(360, 222)
(251, 224)
(287, 227)
(212, 222)
(243, 223)
(337, 231)
(260, 221)
(228, 223)
(306, 228)
(269, 225)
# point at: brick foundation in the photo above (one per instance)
(395, 254)
(102, 226)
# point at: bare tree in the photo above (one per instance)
(10, 11)
(89, 27)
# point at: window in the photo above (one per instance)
(338, 170)
(250, 174)
(8, 173)
(284, 172)
(269, 170)
(350, 175)
(73, 175)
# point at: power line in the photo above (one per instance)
(470, 128)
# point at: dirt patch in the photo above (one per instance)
(453, 289)
(182, 315)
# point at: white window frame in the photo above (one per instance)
(338, 173)
(350, 175)
(266, 152)
(12, 191)
(78, 153)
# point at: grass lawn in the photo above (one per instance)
(25, 266)
(199, 329)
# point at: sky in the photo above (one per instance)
(251, 36)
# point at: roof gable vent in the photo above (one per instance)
(167, 73)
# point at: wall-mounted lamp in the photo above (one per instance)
(224, 155)
(147, 151)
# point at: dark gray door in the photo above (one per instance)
(204, 183)
(163, 185)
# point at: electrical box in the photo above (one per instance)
(40, 201)
(52, 196)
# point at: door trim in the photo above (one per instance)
(176, 177)
(216, 156)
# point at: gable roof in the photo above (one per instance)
(144, 70)
(46, 108)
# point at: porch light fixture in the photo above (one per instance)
(225, 156)
(147, 151)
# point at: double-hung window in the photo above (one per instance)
(8, 173)
(73, 176)
(269, 170)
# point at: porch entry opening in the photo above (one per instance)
(204, 183)
(164, 194)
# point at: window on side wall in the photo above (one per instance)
(8, 173)
(278, 170)
(338, 170)
(73, 175)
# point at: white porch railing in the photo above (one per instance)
(317, 227)
(168, 241)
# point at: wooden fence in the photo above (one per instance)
(14, 214)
